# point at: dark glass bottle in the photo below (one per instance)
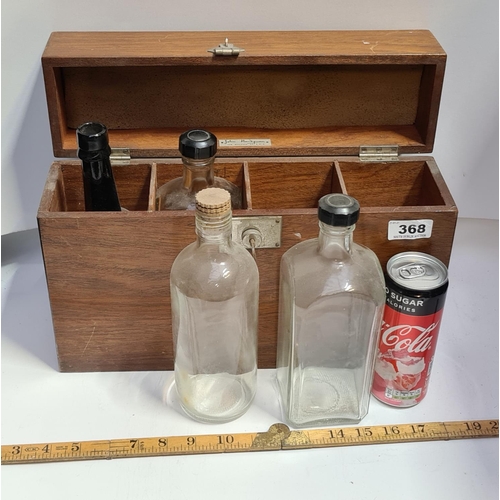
(98, 181)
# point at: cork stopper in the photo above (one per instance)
(213, 201)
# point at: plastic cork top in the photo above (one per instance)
(213, 201)
(197, 144)
(92, 136)
(338, 210)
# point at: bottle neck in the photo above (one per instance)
(215, 230)
(335, 242)
(198, 174)
(99, 184)
(97, 168)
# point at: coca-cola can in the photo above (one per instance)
(416, 285)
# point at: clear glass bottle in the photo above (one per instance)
(198, 149)
(331, 302)
(98, 181)
(214, 285)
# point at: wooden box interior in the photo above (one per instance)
(272, 184)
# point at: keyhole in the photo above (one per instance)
(251, 238)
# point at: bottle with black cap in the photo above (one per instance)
(98, 181)
(332, 296)
(198, 149)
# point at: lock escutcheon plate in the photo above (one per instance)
(266, 230)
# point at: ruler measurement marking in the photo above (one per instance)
(279, 437)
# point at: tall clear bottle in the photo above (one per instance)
(198, 149)
(98, 181)
(331, 302)
(214, 285)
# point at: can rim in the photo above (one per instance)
(416, 262)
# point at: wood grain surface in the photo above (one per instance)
(108, 273)
(131, 48)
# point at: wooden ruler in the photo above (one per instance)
(278, 437)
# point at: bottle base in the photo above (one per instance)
(321, 423)
(217, 398)
(323, 397)
(204, 419)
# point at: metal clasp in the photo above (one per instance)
(226, 49)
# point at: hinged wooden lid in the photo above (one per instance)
(294, 93)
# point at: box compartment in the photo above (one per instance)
(399, 184)
(133, 184)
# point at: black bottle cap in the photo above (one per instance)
(197, 144)
(338, 210)
(92, 136)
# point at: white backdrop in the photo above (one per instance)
(466, 147)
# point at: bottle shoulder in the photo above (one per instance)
(234, 191)
(308, 249)
(304, 267)
(174, 195)
(170, 186)
(213, 267)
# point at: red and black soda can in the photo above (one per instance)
(416, 285)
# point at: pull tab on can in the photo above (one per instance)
(412, 271)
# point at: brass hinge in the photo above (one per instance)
(120, 156)
(379, 153)
(226, 49)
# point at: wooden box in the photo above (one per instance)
(292, 113)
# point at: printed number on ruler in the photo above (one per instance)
(409, 229)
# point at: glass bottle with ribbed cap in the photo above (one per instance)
(331, 301)
(198, 149)
(214, 285)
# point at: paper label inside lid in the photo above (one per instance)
(244, 142)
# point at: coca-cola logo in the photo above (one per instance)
(412, 338)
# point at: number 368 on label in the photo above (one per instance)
(409, 229)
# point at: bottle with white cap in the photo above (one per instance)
(214, 285)
(331, 301)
